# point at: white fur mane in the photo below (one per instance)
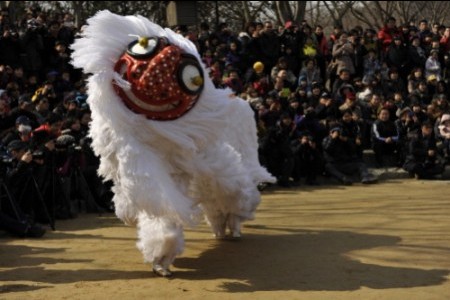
(160, 166)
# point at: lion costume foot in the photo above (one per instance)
(234, 225)
(230, 221)
(161, 271)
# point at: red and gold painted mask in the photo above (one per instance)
(166, 82)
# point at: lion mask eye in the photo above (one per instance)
(143, 47)
(190, 75)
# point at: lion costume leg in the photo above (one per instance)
(234, 225)
(216, 219)
(227, 193)
(160, 241)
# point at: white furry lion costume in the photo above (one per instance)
(174, 145)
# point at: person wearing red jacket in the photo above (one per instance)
(387, 33)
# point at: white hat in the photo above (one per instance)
(445, 117)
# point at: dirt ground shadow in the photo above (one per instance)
(319, 264)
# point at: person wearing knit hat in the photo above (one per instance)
(259, 80)
(258, 67)
(289, 25)
(402, 111)
(431, 78)
(23, 120)
(16, 145)
(21, 130)
(444, 119)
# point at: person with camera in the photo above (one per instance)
(21, 131)
(397, 56)
(10, 49)
(46, 91)
(343, 51)
(341, 162)
(33, 45)
(308, 160)
(12, 219)
(61, 154)
(18, 177)
(408, 126)
(21, 227)
(276, 149)
(422, 160)
(359, 52)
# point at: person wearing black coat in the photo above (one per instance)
(417, 55)
(385, 137)
(328, 109)
(397, 56)
(276, 149)
(351, 131)
(340, 162)
(422, 160)
(308, 160)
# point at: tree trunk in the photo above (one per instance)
(246, 12)
(284, 11)
(301, 11)
(78, 13)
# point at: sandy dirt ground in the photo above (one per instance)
(385, 241)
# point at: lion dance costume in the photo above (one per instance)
(175, 147)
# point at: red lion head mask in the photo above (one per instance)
(165, 81)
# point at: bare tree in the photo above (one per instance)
(154, 10)
(338, 9)
(317, 14)
(14, 8)
(435, 11)
(290, 10)
(374, 13)
(235, 13)
(409, 11)
(284, 11)
(238, 13)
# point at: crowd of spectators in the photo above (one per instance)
(319, 102)
(47, 167)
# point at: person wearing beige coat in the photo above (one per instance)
(342, 54)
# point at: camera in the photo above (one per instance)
(5, 159)
(6, 162)
(67, 143)
(74, 148)
(38, 154)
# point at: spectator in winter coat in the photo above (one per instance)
(387, 33)
(385, 137)
(342, 54)
(341, 162)
(422, 160)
